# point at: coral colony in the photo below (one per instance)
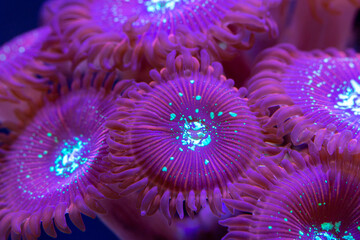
(183, 120)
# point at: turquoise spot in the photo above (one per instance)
(269, 227)
(337, 226)
(171, 158)
(49, 134)
(170, 103)
(212, 115)
(220, 113)
(192, 81)
(327, 226)
(164, 169)
(285, 219)
(301, 233)
(154, 6)
(232, 114)
(172, 116)
(197, 110)
(181, 149)
(40, 156)
(69, 158)
(180, 94)
(198, 97)
(206, 162)
(195, 134)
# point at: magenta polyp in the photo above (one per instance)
(184, 137)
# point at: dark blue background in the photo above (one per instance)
(16, 17)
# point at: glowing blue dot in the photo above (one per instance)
(170, 104)
(160, 6)
(171, 158)
(164, 169)
(172, 116)
(212, 115)
(197, 110)
(49, 134)
(220, 113)
(327, 226)
(233, 114)
(21, 49)
(70, 158)
(269, 227)
(40, 156)
(180, 94)
(195, 134)
(192, 81)
(198, 97)
(206, 162)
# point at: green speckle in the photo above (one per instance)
(212, 115)
(180, 94)
(337, 226)
(164, 169)
(269, 227)
(198, 97)
(285, 219)
(45, 152)
(301, 233)
(40, 156)
(27, 176)
(177, 137)
(220, 113)
(49, 134)
(358, 228)
(170, 103)
(181, 149)
(70, 159)
(206, 162)
(192, 81)
(327, 226)
(197, 110)
(233, 114)
(172, 116)
(171, 158)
